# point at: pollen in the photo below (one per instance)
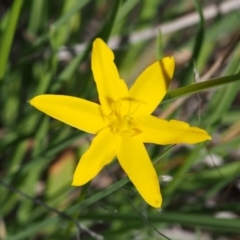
(121, 121)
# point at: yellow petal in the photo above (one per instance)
(135, 161)
(110, 86)
(101, 152)
(76, 112)
(151, 86)
(159, 131)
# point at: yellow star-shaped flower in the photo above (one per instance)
(122, 121)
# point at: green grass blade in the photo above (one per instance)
(198, 87)
(198, 43)
(194, 220)
(7, 38)
(125, 9)
(79, 5)
(106, 31)
(35, 16)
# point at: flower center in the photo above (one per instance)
(121, 121)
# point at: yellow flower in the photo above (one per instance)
(122, 122)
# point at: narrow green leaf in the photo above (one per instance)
(198, 43)
(194, 220)
(61, 21)
(7, 38)
(198, 87)
(125, 9)
(106, 31)
(35, 19)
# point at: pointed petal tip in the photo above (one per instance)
(153, 201)
(170, 57)
(208, 137)
(31, 101)
(169, 60)
(34, 99)
(157, 203)
(201, 137)
(98, 42)
(75, 183)
(205, 136)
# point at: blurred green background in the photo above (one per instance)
(45, 47)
